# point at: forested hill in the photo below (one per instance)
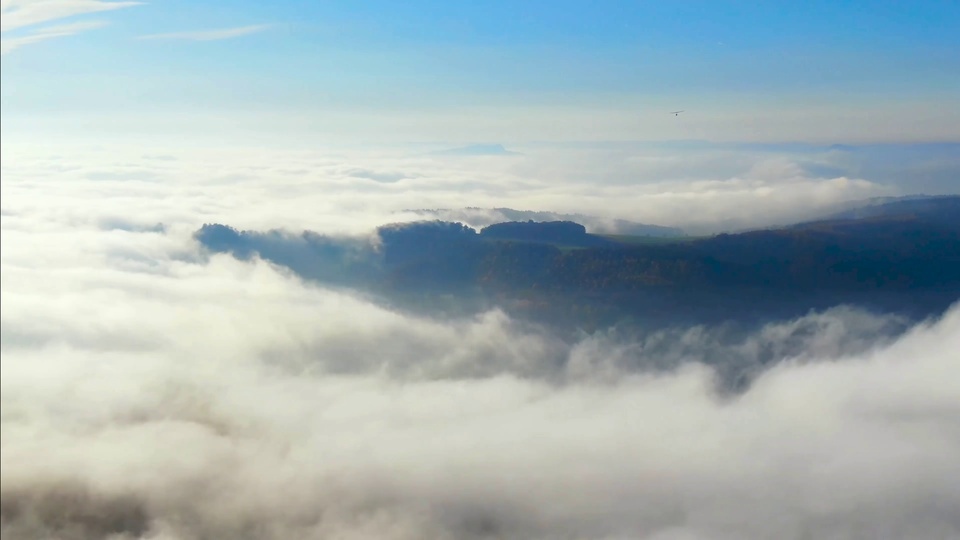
(482, 217)
(942, 209)
(896, 253)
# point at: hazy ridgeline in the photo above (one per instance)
(896, 257)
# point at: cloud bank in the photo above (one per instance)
(354, 189)
(158, 395)
(150, 390)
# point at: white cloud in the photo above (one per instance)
(211, 35)
(148, 392)
(21, 13)
(17, 14)
(320, 190)
(43, 34)
(192, 399)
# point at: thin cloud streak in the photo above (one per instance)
(211, 35)
(8, 45)
(21, 13)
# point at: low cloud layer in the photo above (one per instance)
(150, 390)
(701, 190)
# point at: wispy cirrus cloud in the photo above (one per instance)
(18, 14)
(210, 35)
(22, 13)
(43, 34)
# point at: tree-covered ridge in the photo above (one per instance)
(482, 217)
(557, 266)
(899, 252)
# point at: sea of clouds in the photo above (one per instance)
(355, 189)
(151, 390)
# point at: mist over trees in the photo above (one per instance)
(902, 257)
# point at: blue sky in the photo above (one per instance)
(523, 70)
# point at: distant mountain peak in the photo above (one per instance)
(842, 148)
(478, 150)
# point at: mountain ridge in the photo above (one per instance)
(911, 262)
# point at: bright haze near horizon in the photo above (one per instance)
(155, 388)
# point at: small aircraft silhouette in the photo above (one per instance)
(676, 113)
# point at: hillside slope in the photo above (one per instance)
(905, 256)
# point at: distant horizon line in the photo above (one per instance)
(785, 142)
(11, 139)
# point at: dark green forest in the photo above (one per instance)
(905, 252)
